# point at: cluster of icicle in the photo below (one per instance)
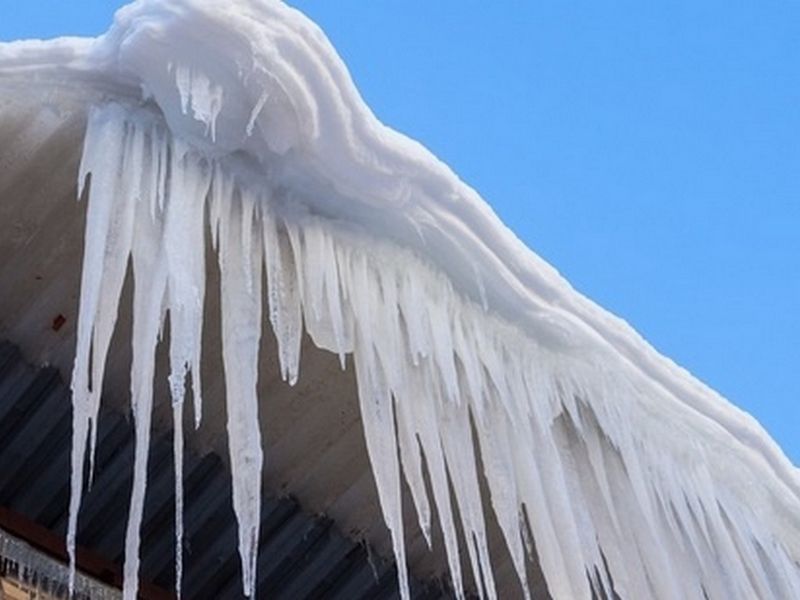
(45, 576)
(564, 461)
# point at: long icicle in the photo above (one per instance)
(240, 260)
(188, 186)
(150, 285)
(108, 241)
(177, 457)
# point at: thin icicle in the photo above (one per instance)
(459, 452)
(177, 455)
(184, 238)
(411, 460)
(259, 106)
(282, 259)
(377, 413)
(426, 426)
(497, 457)
(378, 418)
(183, 243)
(150, 285)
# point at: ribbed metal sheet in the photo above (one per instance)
(300, 556)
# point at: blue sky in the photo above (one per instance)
(649, 150)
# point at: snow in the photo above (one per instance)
(243, 126)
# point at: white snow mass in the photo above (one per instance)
(241, 125)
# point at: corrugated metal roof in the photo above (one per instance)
(300, 555)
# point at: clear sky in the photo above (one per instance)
(649, 150)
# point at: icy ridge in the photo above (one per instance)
(609, 452)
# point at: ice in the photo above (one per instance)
(184, 234)
(284, 296)
(424, 422)
(150, 274)
(412, 461)
(251, 123)
(240, 266)
(177, 454)
(202, 97)
(44, 576)
(109, 238)
(476, 363)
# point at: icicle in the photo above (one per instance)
(198, 93)
(498, 466)
(457, 442)
(426, 426)
(184, 245)
(539, 457)
(378, 418)
(411, 459)
(177, 455)
(377, 413)
(220, 192)
(150, 284)
(183, 81)
(108, 242)
(259, 106)
(241, 330)
(284, 297)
